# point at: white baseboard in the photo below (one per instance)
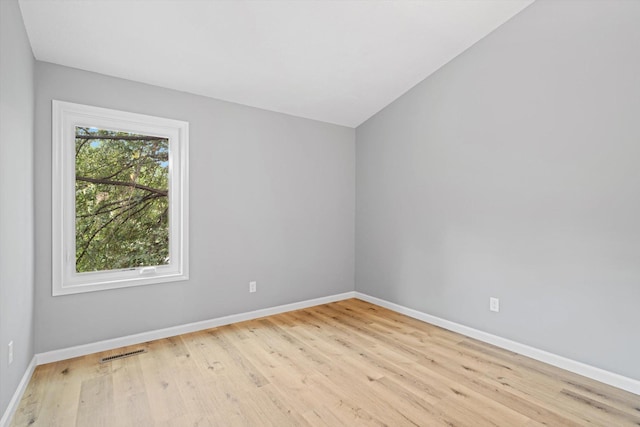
(610, 378)
(83, 350)
(17, 396)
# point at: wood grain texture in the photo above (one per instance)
(348, 363)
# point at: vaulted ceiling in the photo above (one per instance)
(334, 61)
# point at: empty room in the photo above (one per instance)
(319, 213)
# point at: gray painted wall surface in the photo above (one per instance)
(16, 199)
(514, 172)
(272, 200)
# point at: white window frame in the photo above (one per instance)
(65, 117)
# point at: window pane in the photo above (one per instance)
(121, 200)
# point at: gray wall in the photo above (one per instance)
(272, 200)
(16, 199)
(514, 172)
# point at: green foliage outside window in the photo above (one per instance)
(121, 200)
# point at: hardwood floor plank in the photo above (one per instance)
(321, 417)
(36, 395)
(348, 363)
(160, 379)
(131, 402)
(96, 408)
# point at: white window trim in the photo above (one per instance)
(66, 116)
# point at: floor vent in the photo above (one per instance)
(122, 356)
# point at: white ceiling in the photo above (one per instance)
(334, 61)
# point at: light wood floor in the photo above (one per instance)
(348, 363)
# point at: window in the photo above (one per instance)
(120, 199)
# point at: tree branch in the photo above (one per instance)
(81, 147)
(120, 204)
(103, 226)
(122, 184)
(123, 138)
(128, 166)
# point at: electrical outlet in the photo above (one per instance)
(252, 286)
(10, 352)
(494, 304)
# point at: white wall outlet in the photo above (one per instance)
(10, 357)
(494, 304)
(252, 286)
